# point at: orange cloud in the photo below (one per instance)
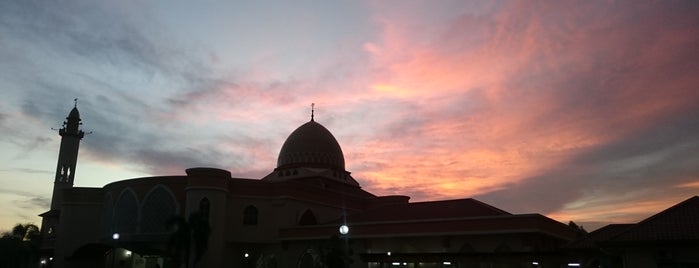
(527, 90)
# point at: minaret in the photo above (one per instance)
(65, 173)
(67, 155)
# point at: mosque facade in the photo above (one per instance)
(309, 211)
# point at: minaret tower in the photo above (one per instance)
(65, 173)
(68, 155)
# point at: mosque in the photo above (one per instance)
(307, 212)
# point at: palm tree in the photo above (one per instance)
(20, 247)
(180, 238)
(189, 234)
(200, 228)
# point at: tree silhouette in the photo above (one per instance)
(335, 253)
(187, 236)
(579, 230)
(20, 247)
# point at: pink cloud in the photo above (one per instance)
(538, 85)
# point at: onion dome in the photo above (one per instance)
(311, 145)
(74, 114)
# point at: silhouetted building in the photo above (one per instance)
(667, 239)
(307, 212)
(71, 134)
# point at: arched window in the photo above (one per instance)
(308, 259)
(250, 215)
(158, 208)
(204, 207)
(126, 212)
(308, 218)
(108, 215)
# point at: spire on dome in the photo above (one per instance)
(313, 105)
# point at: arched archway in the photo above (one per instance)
(126, 212)
(308, 218)
(159, 206)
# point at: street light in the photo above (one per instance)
(344, 230)
(115, 238)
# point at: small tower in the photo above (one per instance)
(65, 173)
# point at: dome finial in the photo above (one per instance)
(76, 103)
(313, 105)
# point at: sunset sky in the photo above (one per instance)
(578, 110)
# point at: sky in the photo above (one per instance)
(579, 110)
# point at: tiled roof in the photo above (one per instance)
(501, 224)
(590, 240)
(677, 223)
(447, 209)
(453, 217)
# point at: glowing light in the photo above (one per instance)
(447, 263)
(388, 253)
(115, 236)
(246, 255)
(127, 253)
(344, 229)
(574, 264)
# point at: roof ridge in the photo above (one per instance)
(668, 210)
(476, 201)
(643, 223)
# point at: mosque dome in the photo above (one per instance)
(311, 145)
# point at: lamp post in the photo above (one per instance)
(344, 231)
(115, 239)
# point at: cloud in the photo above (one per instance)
(32, 170)
(537, 107)
(21, 203)
(659, 157)
(527, 107)
(40, 202)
